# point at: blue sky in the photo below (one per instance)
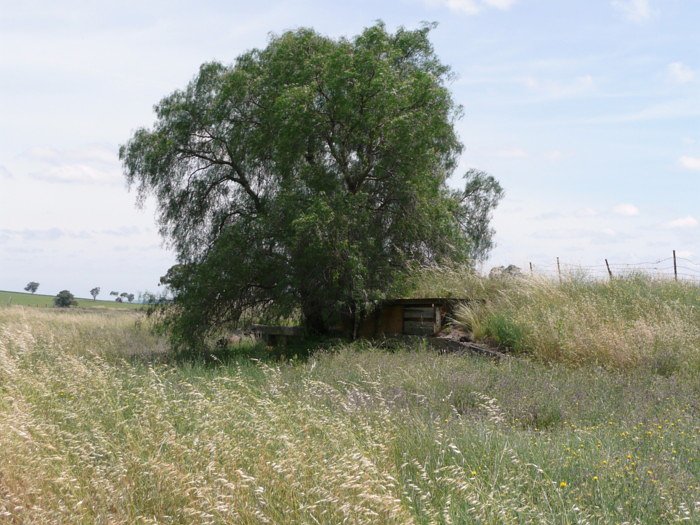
(587, 112)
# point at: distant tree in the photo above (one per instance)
(119, 300)
(114, 293)
(31, 287)
(64, 299)
(95, 292)
(151, 298)
(130, 297)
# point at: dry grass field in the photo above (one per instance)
(100, 424)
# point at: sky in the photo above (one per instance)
(587, 112)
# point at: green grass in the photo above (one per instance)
(98, 424)
(45, 301)
(635, 322)
(626, 323)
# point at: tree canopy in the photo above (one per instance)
(64, 299)
(307, 177)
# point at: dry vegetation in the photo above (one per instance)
(98, 424)
(636, 322)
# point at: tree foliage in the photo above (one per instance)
(32, 287)
(308, 176)
(64, 299)
(95, 292)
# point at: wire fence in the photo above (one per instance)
(673, 267)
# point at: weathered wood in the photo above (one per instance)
(418, 328)
(276, 335)
(419, 312)
(448, 345)
(675, 267)
(277, 330)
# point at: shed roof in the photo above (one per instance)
(423, 301)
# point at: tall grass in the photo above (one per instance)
(98, 425)
(637, 321)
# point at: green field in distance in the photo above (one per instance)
(28, 299)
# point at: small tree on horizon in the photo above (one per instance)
(64, 299)
(95, 292)
(32, 287)
(130, 297)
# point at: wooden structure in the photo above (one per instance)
(422, 316)
(395, 317)
(276, 335)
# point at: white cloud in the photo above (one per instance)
(28, 234)
(628, 210)
(90, 164)
(690, 163)
(591, 235)
(512, 153)
(683, 222)
(634, 10)
(469, 7)
(92, 154)
(585, 212)
(680, 73)
(472, 7)
(503, 5)
(579, 213)
(53, 234)
(78, 174)
(677, 108)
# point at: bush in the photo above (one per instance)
(506, 331)
(64, 299)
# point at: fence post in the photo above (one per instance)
(531, 272)
(609, 272)
(675, 267)
(559, 270)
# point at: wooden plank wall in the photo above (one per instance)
(419, 320)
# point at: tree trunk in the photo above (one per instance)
(314, 320)
(355, 319)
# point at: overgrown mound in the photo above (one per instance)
(631, 322)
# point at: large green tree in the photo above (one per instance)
(308, 176)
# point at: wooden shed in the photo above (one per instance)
(276, 335)
(422, 316)
(395, 317)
